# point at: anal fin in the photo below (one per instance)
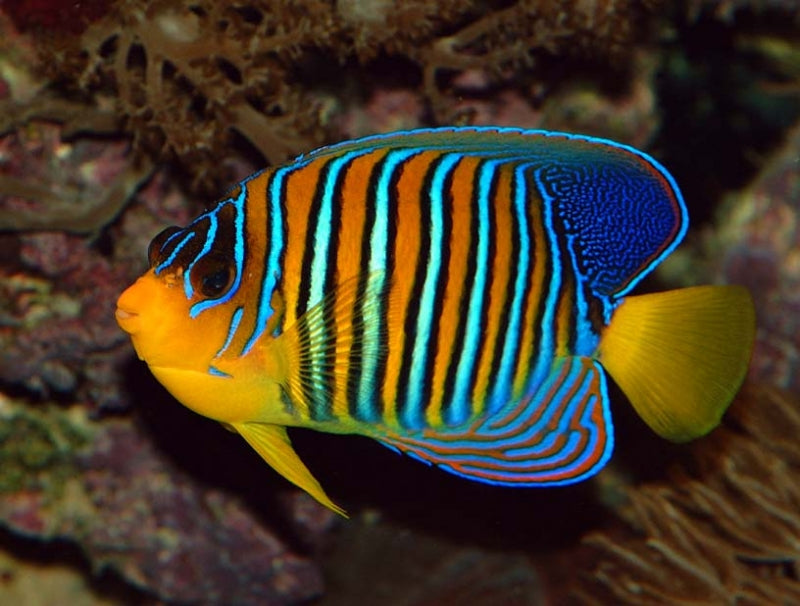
(560, 433)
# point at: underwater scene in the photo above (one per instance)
(399, 302)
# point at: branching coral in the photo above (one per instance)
(188, 74)
(508, 37)
(727, 534)
(185, 76)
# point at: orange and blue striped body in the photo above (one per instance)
(444, 291)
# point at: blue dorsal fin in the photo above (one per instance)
(620, 211)
(559, 434)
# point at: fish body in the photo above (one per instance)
(458, 294)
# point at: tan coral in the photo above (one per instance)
(726, 534)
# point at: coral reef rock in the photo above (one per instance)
(106, 487)
(727, 532)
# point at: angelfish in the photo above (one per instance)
(458, 294)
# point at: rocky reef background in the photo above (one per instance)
(120, 117)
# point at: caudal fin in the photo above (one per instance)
(680, 356)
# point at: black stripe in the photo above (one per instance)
(309, 248)
(284, 237)
(445, 247)
(305, 371)
(502, 333)
(319, 408)
(491, 235)
(535, 212)
(463, 304)
(378, 405)
(413, 309)
(568, 280)
(267, 245)
(357, 350)
(328, 359)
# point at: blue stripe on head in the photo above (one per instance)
(238, 250)
(235, 320)
(170, 239)
(216, 372)
(211, 235)
(169, 260)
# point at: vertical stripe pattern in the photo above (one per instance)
(440, 285)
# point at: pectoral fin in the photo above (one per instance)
(272, 443)
(346, 329)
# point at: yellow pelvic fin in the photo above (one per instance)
(272, 443)
(680, 356)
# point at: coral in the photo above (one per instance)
(29, 581)
(192, 78)
(59, 323)
(507, 37)
(106, 487)
(726, 10)
(188, 75)
(36, 455)
(726, 533)
(761, 236)
(47, 182)
(49, 167)
(55, 15)
(199, 87)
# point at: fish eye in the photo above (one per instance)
(154, 250)
(212, 276)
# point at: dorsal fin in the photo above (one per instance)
(559, 434)
(622, 209)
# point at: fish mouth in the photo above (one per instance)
(127, 320)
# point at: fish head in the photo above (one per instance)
(179, 313)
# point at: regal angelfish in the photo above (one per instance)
(458, 294)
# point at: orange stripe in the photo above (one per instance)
(407, 253)
(454, 289)
(564, 314)
(500, 268)
(300, 188)
(349, 264)
(540, 260)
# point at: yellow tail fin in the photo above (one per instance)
(680, 356)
